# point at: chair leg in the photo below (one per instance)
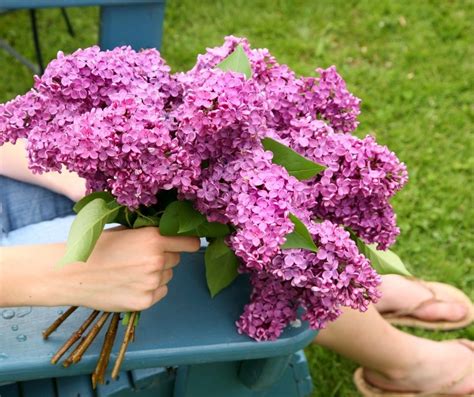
(20, 58)
(34, 28)
(70, 29)
(225, 379)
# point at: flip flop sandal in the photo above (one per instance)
(407, 318)
(368, 390)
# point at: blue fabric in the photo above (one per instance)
(53, 231)
(24, 204)
(33, 215)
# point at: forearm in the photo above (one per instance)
(128, 270)
(14, 164)
(29, 277)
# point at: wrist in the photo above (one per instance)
(28, 276)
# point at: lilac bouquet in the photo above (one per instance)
(239, 150)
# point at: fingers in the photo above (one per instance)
(159, 294)
(165, 277)
(171, 259)
(151, 282)
(179, 244)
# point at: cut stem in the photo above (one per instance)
(132, 334)
(99, 373)
(54, 326)
(74, 337)
(86, 341)
(123, 347)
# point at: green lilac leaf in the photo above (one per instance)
(299, 237)
(86, 230)
(125, 217)
(296, 165)
(384, 262)
(106, 196)
(169, 223)
(238, 62)
(221, 266)
(188, 217)
(213, 229)
(143, 221)
(181, 219)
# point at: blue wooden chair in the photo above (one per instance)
(39, 68)
(137, 23)
(187, 344)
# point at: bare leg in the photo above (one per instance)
(400, 293)
(394, 360)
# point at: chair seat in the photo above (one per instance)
(187, 327)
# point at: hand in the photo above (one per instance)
(128, 270)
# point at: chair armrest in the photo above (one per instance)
(187, 327)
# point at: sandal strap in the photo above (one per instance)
(412, 310)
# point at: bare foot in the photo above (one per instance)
(443, 367)
(400, 293)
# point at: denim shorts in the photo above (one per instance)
(31, 214)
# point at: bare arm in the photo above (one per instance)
(129, 270)
(14, 164)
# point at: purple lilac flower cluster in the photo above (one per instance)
(255, 196)
(337, 275)
(355, 188)
(102, 114)
(123, 122)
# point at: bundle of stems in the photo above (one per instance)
(86, 339)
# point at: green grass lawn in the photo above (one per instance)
(409, 61)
